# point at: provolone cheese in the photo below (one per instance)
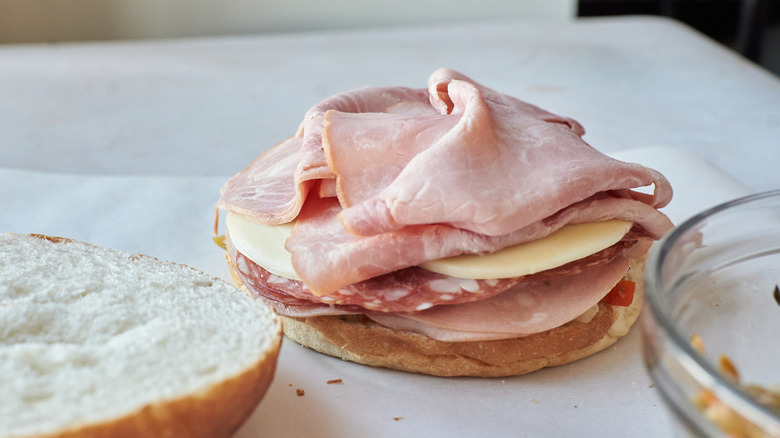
(570, 243)
(264, 245)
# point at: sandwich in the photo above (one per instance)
(449, 230)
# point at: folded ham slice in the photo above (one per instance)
(328, 258)
(270, 190)
(273, 188)
(367, 152)
(528, 167)
(405, 176)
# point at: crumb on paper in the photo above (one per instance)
(398, 418)
(330, 382)
(299, 392)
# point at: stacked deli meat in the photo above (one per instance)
(378, 183)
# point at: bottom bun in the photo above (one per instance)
(358, 339)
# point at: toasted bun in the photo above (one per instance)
(358, 339)
(97, 342)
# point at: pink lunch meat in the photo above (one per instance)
(382, 179)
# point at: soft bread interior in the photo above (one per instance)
(99, 342)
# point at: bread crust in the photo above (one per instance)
(358, 339)
(217, 411)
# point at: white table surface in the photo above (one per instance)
(126, 144)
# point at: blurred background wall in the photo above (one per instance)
(751, 27)
(68, 20)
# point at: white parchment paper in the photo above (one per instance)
(606, 395)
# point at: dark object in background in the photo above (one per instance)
(739, 24)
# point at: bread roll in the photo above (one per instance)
(97, 342)
(358, 339)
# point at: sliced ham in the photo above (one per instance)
(271, 189)
(361, 100)
(382, 179)
(528, 168)
(437, 89)
(380, 146)
(327, 257)
(327, 188)
(530, 307)
(399, 291)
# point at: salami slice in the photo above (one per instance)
(406, 290)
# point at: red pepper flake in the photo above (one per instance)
(299, 392)
(330, 382)
(622, 294)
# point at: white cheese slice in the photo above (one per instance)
(264, 245)
(570, 243)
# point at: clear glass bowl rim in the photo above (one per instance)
(721, 386)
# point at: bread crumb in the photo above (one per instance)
(398, 418)
(299, 392)
(330, 382)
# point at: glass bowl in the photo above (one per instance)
(711, 326)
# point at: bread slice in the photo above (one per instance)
(98, 342)
(358, 339)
